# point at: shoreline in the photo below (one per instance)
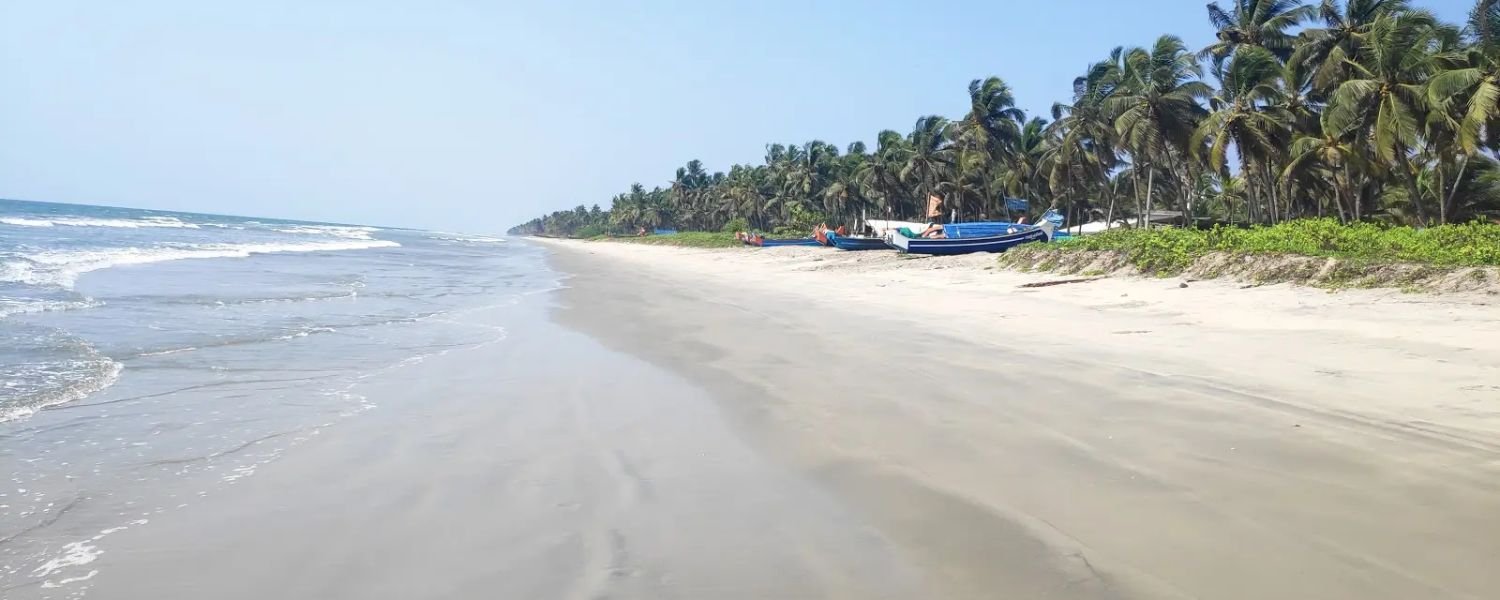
(938, 397)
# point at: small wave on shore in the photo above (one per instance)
(20, 306)
(61, 368)
(62, 268)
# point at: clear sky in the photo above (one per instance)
(475, 115)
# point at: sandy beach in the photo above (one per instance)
(1120, 437)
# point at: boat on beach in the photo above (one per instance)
(855, 242)
(763, 242)
(949, 246)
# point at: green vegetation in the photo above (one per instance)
(1354, 110)
(688, 239)
(1171, 251)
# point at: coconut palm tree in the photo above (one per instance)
(1246, 117)
(929, 155)
(1257, 23)
(1085, 131)
(1332, 159)
(1387, 98)
(1469, 96)
(1328, 50)
(993, 120)
(880, 177)
(1157, 106)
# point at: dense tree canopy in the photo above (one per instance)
(1363, 110)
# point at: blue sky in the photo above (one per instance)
(476, 115)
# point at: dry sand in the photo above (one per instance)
(1111, 438)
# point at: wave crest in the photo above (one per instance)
(165, 222)
(61, 269)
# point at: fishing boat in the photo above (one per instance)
(947, 246)
(857, 242)
(764, 242)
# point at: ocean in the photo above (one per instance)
(147, 353)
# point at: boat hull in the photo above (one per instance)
(770, 243)
(950, 246)
(844, 242)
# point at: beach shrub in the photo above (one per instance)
(735, 224)
(1170, 251)
(689, 239)
(590, 231)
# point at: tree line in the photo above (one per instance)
(1363, 110)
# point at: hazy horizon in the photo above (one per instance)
(474, 118)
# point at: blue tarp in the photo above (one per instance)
(977, 229)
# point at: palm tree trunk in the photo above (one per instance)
(1109, 214)
(1135, 188)
(1271, 191)
(1150, 179)
(1352, 193)
(1458, 181)
(1338, 200)
(1410, 178)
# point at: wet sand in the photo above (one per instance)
(542, 465)
(1115, 438)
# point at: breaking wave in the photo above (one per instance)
(62, 268)
(165, 222)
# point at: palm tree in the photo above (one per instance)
(1086, 132)
(1387, 98)
(880, 177)
(1158, 107)
(1469, 96)
(993, 120)
(1259, 23)
(1328, 50)
(928, 156)
(1021, 177)
(1244, 115)
(1329, 158)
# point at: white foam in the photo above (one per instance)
(67, 580)
(76, 554)
(167, 222)
(16, 306)
(466, 238)
(167, 352)
(110, 372)
(348, 232)
(73, 554)
(61, 269)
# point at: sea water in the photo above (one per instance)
(142, 349)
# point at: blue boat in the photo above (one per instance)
(846, 242)
(950, 246)
(994, 228)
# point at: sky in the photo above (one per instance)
(475, 116)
